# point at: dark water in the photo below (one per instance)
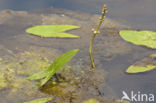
(136, 13)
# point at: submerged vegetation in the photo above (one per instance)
(15, 69)
(63, 89)
(57, 64)
(45, 75)
(95, 32)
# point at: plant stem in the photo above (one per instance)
(96, 31)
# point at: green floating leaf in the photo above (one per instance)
(52, 31)
(138, 69)
(42, 100)
(144, 65)
(146, 38)
(58, 63)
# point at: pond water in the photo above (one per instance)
(136, 13)
(112, 54)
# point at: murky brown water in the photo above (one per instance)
(112, 55)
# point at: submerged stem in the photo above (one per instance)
(96, 31)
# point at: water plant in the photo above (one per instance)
(95, 32)
(52, 31)
(58, 31)
(147, 64)
(57, 64)
(144, 38)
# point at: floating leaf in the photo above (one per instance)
(144, 65)
(146, 38)
(137, 69)
(58, 63)
(52, 31)
(42, 100)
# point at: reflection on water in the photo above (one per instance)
(137, 13)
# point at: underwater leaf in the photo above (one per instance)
(145, 38)
(57, 64)
(147, 64)
(52, 31)
(42, 100)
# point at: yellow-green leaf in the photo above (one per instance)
(144, 65)
(145, 38)
(42, 100)
(138, 69)
(52, 31)
(58, 63)
(38, 75)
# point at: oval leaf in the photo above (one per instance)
(42, 100)
(144, 65)
(54, 67)
(52, 31)
(145, 38)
